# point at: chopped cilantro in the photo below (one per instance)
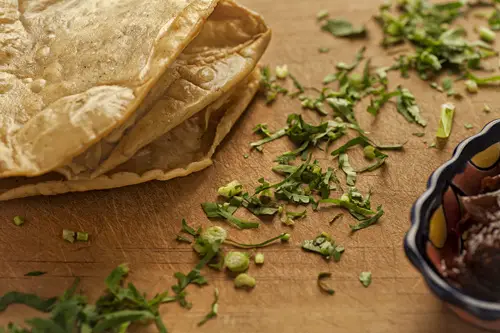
(368, 221)
(268, 242)
(324, 245)
(419, 134)
(348, 170)
(216, 210)
(406, 105)
(114, 311)
(269, 87)
(323, 49)
(213, 310)
(343, 28)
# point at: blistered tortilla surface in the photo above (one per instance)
(73, 70)
(186, 149)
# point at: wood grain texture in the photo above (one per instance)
(138, 224)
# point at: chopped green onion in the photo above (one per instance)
(487, 35)
(18, 220)
(285, 238)
(69, 235)
(365, 278)
(369, 152)
(322, 14)
(237, 261)
(471, 86)
(252, 246)
(446, 121)
(82, 236)
(244, 280)
(468, 126)
(282, 72)
(259, 258)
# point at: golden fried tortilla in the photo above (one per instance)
(73, 72)
(185, 149)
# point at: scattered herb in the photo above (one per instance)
(231, 189)
(494, 19)
(269, 87)
(193, 277)
(245, 156)
(283, 236)
(69, 235)
(82, 236)
(419, 134)
(214, 309)
(448, 86)
(212, 236)
(324, 245)
(322, 14)
(468, 126)
(237, 261)
(288, 218)
(216, 210)
(343, 28)
(282, 72)
(278, 134)
(471, 86)
(35, 273)
(446, 121)
(18, 220)
(369, 221)
(337, 217)
(406, 105)
(322, 285)
(434, 85)
(487, 35)
(297, 84)
(348, 170)
(486, 108)
(259, 258)
(324, 50)
(365, 278)
(114, 311)
(244, 280)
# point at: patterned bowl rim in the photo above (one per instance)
(415, 241)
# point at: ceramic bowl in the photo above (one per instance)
(434, 216)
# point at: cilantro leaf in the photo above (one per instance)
(343, 28)
(324, 245)
(369, 221)
(407, 106)
(214, 309)
(215, 210)
(347, 168)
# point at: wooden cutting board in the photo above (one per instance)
(138, 224)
